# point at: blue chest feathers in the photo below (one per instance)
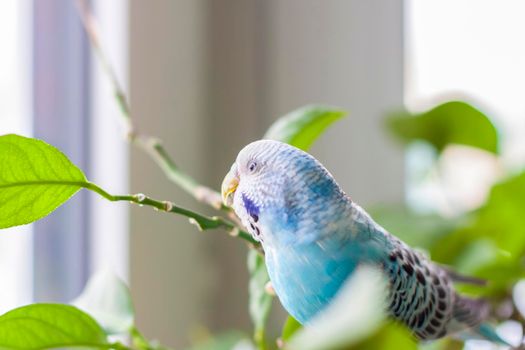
(306, 278)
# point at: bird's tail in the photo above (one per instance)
(470, 312)
(473, 313)
(489, 333)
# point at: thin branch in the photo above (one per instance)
(148, 144)
(201, 221)
(201, 193)
(155, 149)
(139, 340)
(153, 146)
(90, 26)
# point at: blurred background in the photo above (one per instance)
(207, 77)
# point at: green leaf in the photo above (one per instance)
(354, 315)
(500, 220)
(447, 343)
(494, 241)
(452, 122)
(260, 301)
(108, 300)
(35, 179)
(386, 337)
(49, 326)
(502, 216)
(291, 325)
(303, 126)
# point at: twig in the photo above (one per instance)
(151, 145)
(155, 149)
(201, 221)
(159, 154)
(91, 30)
(148, 144)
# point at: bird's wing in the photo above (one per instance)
(421, 294)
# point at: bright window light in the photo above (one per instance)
(475, 49)
(15, 101)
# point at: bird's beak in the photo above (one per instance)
(229, 185)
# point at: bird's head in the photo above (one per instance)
(274, 187)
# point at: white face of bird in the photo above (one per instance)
(278, 182)
(255, 176)
(254, 183)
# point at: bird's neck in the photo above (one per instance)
(308, 222)
(340, 224)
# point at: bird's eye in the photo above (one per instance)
(252, 166)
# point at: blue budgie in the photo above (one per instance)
(314, 236)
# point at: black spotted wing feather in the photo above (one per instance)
(422, 296)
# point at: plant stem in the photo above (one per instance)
(151, 145)
(139, 340)
(201, 221)
(259, 338)
(148, 144)
(158, 153)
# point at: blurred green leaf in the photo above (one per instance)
(260, 301)
(300, 128)
(108, 300)
(49, 326)
(502, 218)
(388, 337)
(354, 315)
(452, 122)
(226, 341)
(291, 325)
(447, 343)
(494, 241)
(35, 179)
